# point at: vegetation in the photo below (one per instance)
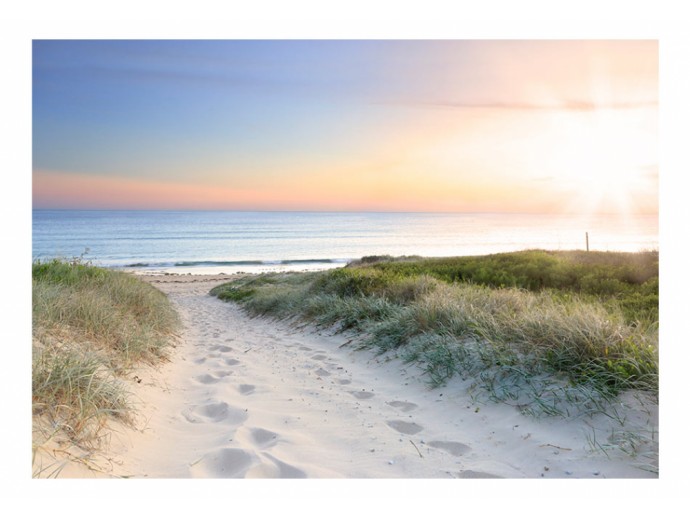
(90, 327)
(538, 329)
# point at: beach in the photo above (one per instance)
(247, 397)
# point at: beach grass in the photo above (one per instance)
(90, 327)
(546, 331)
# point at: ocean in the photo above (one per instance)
(230, 242)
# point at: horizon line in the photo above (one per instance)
(335, 211)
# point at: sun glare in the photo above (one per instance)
(603, 160)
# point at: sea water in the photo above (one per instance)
(226, 241)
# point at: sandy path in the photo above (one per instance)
(251, 398)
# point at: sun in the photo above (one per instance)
(602, 159)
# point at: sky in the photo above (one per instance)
(539, 126)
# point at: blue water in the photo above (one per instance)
(212, 242)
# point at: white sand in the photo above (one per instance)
(253, 398)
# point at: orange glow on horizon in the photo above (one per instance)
(342, 192)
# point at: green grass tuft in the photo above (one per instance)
(541, 329)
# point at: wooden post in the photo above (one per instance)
(587, 240)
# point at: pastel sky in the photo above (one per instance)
(384, 125)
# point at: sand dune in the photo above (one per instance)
(252, 398)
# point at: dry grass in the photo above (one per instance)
(90, 327)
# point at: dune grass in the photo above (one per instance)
(90, 327)
(545, 331)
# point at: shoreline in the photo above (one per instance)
(205, 271)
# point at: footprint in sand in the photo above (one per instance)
(223, 374)
(200, 361)
(402, 405)
(231, 361)
(456, 449)
(405, 427)
(344, 381)
(322, 372)
(361, 394)
(215, 412)
(286, 470)
(224, 463)
(225, 349)
(207, 379)
(263, 438)
(319, 357)
(245, 390)
(303, 348)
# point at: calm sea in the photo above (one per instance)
(214, 242)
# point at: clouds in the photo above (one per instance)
(566, 105)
